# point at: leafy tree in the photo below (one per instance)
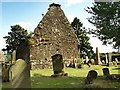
(106, 18)
(17, 36)
(80, 31)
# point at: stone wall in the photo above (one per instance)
(53, 35)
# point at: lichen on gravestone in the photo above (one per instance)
(20, 75)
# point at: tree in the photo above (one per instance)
(80, 31)
(106, 18)
(17, 36)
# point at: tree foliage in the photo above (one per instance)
(80, 31)
(17, 36)
(106, 18)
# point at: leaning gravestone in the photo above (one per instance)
(58, 65)
(92, 74)
(19, 76)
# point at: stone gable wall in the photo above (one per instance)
(53, 35)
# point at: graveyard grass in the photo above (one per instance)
(75, 79)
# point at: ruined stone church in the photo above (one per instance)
(53, 35)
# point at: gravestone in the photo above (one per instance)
(106, 72)
(87, 59)
(13, 56)
(5, 72)
(74, 63)
(23, 55)
(1, 56)
(106, 59)
(92, 74)
(110, 59)
(18, 74)
(58, 65)
(98, 61)
(92, 61)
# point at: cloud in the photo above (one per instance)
(95, 42)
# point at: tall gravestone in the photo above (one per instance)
(106, 59)
(58, 65)
(18, 75)
(22, 52)
(109, 59)
(5, 72)
(98, 61)
(13, 56)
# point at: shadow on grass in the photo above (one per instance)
(40, 81)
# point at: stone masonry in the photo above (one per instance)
(53, 35)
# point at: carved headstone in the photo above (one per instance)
(106, 72)
(23, 52)
(92, 74)
(58, 65)
(19, 75)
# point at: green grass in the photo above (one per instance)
(75, 79)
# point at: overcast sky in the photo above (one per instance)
(28, 14)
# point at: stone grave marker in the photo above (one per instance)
(106, 59)
(19, 74)
(13, 56)
(92, 74)
(98, 61)
(109, 59)
(92, 61)
(5, 72)
(58, 65)
(1, 56)
(106, 72)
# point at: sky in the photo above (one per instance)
(28, 14)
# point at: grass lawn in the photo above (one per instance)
(75, 79)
